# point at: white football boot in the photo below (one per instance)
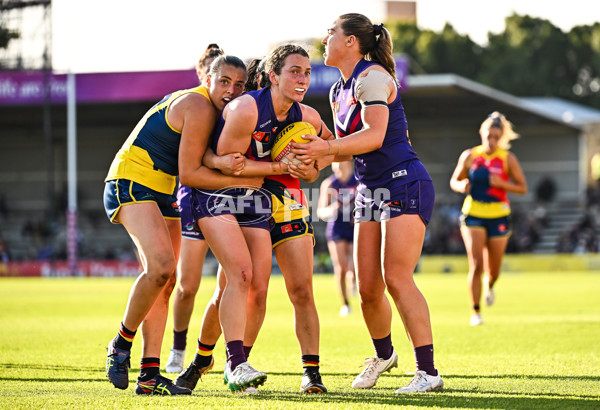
(375, 366)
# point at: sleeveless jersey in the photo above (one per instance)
(395, 160)
(266, 129)
(485, 201)
(149, 156)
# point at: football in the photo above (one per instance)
(291, 133)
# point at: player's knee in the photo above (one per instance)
(161, 269)
(258, 297)
(169, 286)
(241, 277)
(301, 296)
(368, 295)
(187, 290)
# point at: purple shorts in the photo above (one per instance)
(413, 198)
(184, 200)
(251, 209)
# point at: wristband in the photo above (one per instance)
(329, 144)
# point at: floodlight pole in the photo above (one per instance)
(72, 173)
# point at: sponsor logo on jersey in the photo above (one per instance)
(400, 173)
(260, 136)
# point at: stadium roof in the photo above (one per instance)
(555, 109)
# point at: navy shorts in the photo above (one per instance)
(414, 198)
(184, 199)
(494, 227)
(251, 209)
(121, 192)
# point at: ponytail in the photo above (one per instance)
(375, 41)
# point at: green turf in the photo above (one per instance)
(539, 347)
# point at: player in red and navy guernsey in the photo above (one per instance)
(395, 193)
(250, 126)
(487, 173)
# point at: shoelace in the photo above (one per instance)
(120, 365)
(416, 380)
(370, 364)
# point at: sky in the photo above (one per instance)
(149, 35)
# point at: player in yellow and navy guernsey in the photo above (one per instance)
(395, 194)
(139, 193)
(193, 251)
(487, 173)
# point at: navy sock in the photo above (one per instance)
(310, 361)
(149, 367)
(124, 339)
(204, 354)
(235, 353)
(247, 350)
(383, 347)
(180, 339)
(424, 358)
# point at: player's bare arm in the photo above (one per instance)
(240, 119)
(195, 116)
(459, 182)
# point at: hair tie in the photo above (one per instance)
(496, 120)
(377, 28)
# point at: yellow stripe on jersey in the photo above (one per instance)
(485, 209)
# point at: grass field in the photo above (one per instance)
(539, 347)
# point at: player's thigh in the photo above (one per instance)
(227, 242)
(259, 245)
(475, 238)
(295, 259)
(402, 243)
(496, 248)
(367, 256)
(150, 233)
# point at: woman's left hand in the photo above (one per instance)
(314, 149)
(305, 171)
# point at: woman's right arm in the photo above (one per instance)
(460, 178)
(327, 207)
(197, 117)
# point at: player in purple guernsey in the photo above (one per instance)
(395, 193)
(251, 125)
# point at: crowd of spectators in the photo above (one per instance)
(582, 237)
(443, 233)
